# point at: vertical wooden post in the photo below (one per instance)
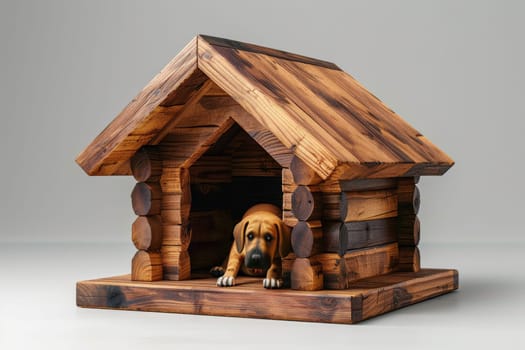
(175, 212)
(408, 225)
(146, 231)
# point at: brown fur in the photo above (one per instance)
(260, 232)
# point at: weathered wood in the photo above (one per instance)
(145, 198)
(368, 205)
(146, 232)
(307, 274)
(339, 271)
(305, 204)
(408, 196)
(176, 235)
(368, 185)
(288, 185)
(306, 240)
(409, 259)
(367, 298)
(146, 266)
(237, 45)
(176, 263)
(342, 237)
(174, 180)
(408, 230)
(302, 173)
(212, 169)
(146, 164)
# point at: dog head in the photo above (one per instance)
(261, 237)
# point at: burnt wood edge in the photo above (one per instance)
(237, 45)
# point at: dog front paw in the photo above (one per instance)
(272, 283)
(226, 281)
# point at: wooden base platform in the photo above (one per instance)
(367, 298)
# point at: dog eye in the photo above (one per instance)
(250, 236)
(268, 237)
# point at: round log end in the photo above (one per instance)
(302, 203)
(302, 239)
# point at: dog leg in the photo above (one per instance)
(234, 263)
(273, 278)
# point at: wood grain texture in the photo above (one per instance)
(146, 266)
(306, 240)
(146, 198)
(176, 264)
(368, 205)
(342, 237)
(309, 106)
(339, 272)
(146, 164)
(366, 298)
(306, 205)
(409, 259)
(307, 275)
(146, 232)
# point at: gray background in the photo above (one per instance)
(453, 69)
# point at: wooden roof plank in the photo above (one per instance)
(221, 65)
(232, 44)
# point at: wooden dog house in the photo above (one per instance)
(226, 125)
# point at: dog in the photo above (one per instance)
(261, 239)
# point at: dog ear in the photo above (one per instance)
(238, 234)
(284, 241)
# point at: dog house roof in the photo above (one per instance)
(327, 118)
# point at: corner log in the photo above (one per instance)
(409, 259)
(302, 173)
(145, 198)
(306, 240)
(307, 274)
(176, 263)
(409, 202)
(146, 164)
(146, 233)
(146, 266)
(305, 204)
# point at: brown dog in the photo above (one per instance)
(261, 240)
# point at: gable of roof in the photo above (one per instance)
(321, 113)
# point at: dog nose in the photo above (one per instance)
(256, 258)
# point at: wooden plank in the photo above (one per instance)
(286, 121)
(342, 237)
(368, 205)
(339, 272)
(137, 118)
(266, 51)
(366, 298)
